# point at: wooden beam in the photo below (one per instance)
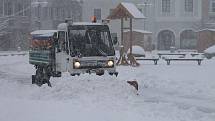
(122, 26)
(131, 35)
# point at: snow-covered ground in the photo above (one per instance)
(182, 91)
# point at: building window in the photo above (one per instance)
(166, 6)
(213, 6)
(45, 13)
(51, 13)
(141, 10)
(98, 13)
(188, 5)
(111, 11)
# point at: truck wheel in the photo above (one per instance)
(38, 80)
(100, 73)
(41, 77)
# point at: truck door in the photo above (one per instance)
(62, 52)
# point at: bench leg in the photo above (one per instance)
(155, 62)
(199, 62)
(168, 62)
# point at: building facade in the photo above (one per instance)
(208, 16)
(19, 17)
(55, 12)
(175, 23)
(14, 23)
(172, 22)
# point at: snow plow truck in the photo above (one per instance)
(76, 48)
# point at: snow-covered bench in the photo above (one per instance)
(149, 59)
(161, 54)
(199, 60)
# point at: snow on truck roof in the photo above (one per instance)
(63, 26)
(43, 32)
(86, 23)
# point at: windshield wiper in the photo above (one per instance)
(99, 50)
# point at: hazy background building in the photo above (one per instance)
(172, 22)
(208, 16)
(55, 12)
(14, 23)
(19, 17)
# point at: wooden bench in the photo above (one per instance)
(160, 54)
(189, 51)
(183, 59)
(149, 59)
(195, 54)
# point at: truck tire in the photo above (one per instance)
(41, 77)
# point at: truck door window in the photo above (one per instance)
(62, 41)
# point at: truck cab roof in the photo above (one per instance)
(64, 26)
(44, 32)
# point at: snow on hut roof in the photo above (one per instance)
(43, 32)
(140, 31)
(126, 10)
(133, 10)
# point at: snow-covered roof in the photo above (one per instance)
(133, 10)
(210, 49)
(43, 32)
(140, 31)
(126, 10)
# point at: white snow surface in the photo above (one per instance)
(133, 10)
(210, 50)
(182, 91)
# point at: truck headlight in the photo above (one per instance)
(77, 64)
(110, 63)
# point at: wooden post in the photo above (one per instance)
(122, 59)
(131, 58)
(131, 36)
(122, 22)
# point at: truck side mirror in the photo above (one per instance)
(55, 37)
(114, 38)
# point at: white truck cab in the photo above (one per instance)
(78, 48)
(85, 48)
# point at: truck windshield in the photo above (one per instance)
(90, 41)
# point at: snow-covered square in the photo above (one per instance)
(182, 91)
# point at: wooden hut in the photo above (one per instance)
(206, 38)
